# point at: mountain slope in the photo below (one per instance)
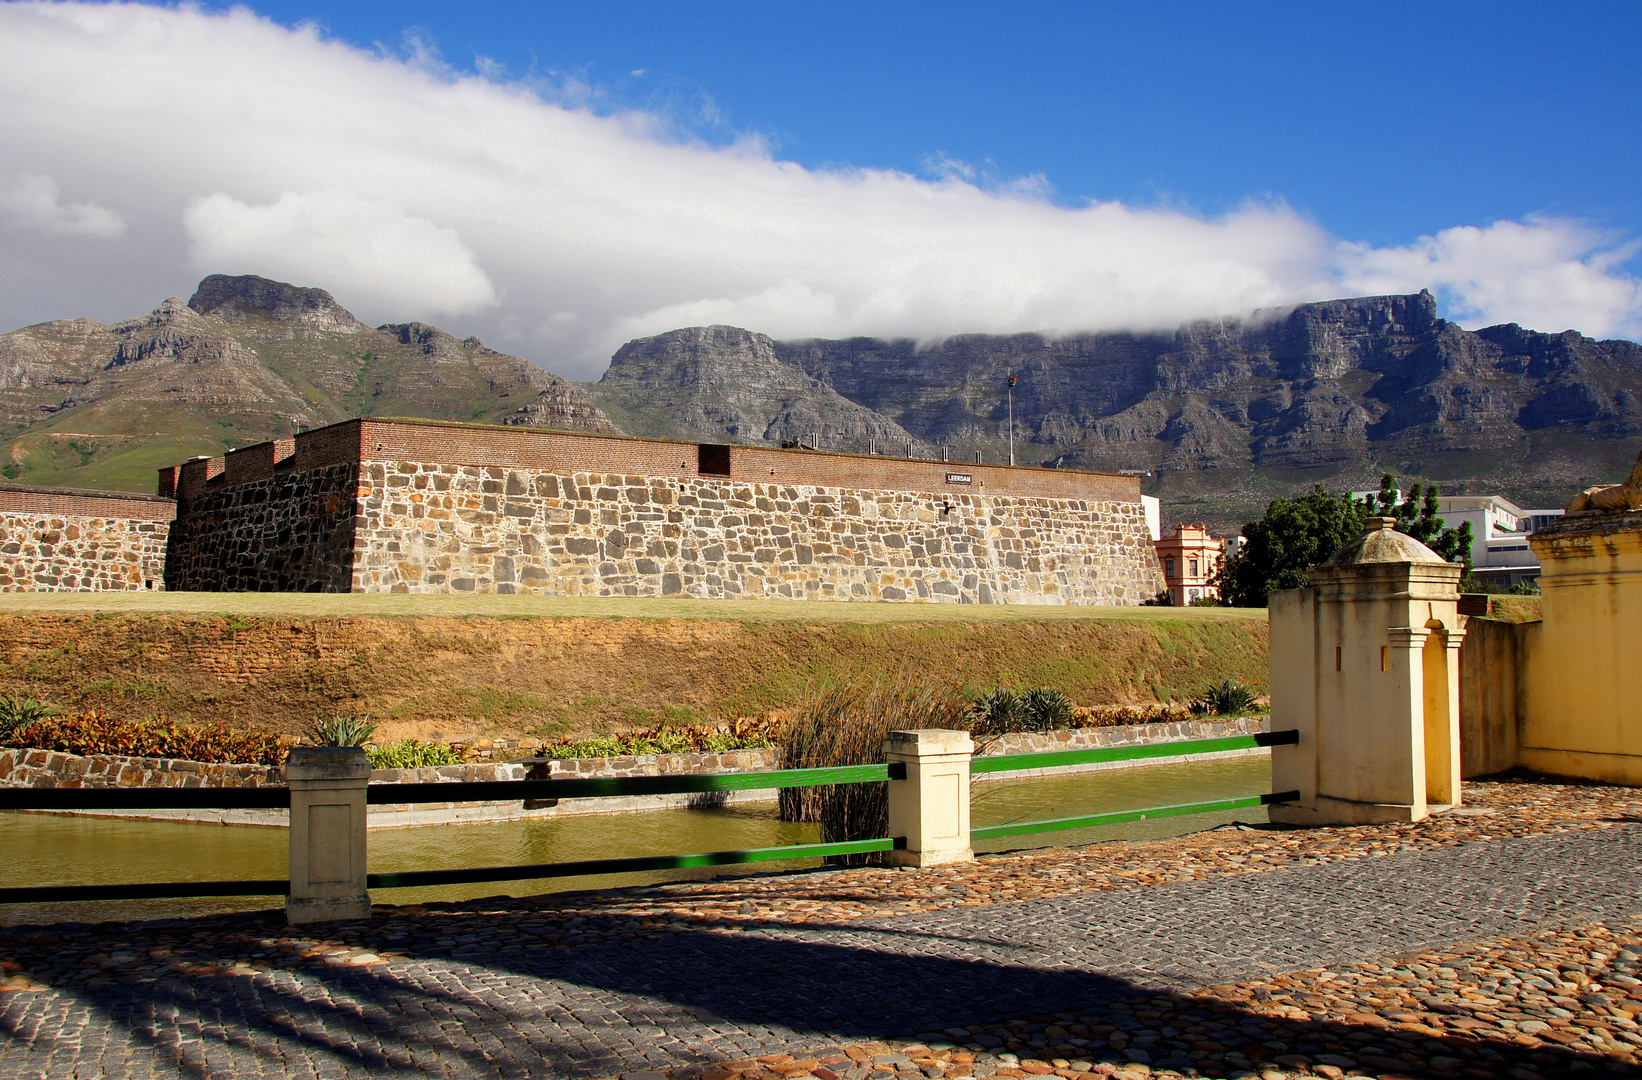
(245, 360)
(724, 384)
(1224, 415)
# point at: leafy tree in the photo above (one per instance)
(1297, 534)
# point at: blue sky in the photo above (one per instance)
(1384, 121)
(561, 178)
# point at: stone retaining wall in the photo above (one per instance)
(1125, 735)
(72, 540)
(52, 769)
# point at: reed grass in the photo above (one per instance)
(847, 724)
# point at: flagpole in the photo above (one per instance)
(1011, 419)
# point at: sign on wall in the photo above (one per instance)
(960, 478)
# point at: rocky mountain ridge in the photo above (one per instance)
(244, 360)
(1222, 414)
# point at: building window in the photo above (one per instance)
(1193, 564)
(1168, 568)
(712, 460)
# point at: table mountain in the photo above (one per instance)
(1224, 414)
(244, 360)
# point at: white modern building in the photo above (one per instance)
(1499, 530)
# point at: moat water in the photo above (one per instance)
(50, 849)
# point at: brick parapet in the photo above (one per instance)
(22, 500)
(573, 452)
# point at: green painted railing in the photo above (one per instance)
(510, 790)
(172, 890)
(1116, 817)
(173, 798)
(1056, 759)
(412, 878)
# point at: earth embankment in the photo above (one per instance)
(453, 673)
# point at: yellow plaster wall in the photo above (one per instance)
(1582, 676)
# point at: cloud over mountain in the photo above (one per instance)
(145, 145)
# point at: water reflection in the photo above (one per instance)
(48, 849)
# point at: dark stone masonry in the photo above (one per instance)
(420, 506)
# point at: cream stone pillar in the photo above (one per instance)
(327, 834)
(1365, 664)
(1581, 674)
(931, 806)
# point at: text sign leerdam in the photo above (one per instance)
(960, 478)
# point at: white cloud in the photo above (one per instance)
(32, 202)
(1546, 273)
(238, 145)
(367, 249)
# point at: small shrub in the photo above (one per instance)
(997, 712)
(1228, 699)
(153, 737)
(412, 754)
(18, 714)
(1000, 711)
(669, 737)
(340, 731)
(1047, 709)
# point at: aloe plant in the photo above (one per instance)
(340, 731)
(18, 714)
(1046, 709)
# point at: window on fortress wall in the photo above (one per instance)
(712, 460)
(1168, 568)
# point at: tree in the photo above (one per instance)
(1297, 534)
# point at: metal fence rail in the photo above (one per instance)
(236, 798)
(145, 890)
(1060, 758)
(1025, 828)
(637, 864)
(171, 890)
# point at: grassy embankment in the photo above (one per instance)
(455, 667)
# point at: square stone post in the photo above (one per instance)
(327, 834)
(931, 806)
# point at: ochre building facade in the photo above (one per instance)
(418, 506)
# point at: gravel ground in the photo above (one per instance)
(1559, 996)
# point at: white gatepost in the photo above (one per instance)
(1365, 665)
(327, 834)
(931, 806)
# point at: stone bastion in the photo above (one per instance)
(428, 507)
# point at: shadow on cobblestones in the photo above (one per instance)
(663, 1002)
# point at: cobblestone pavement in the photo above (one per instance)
(521, 993)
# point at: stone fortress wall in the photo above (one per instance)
(420, 506)
(73, 540)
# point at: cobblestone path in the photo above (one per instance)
(481, 1007)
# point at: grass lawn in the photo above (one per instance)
(456, 605)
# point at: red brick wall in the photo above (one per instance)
(23, 501)
(568, 453)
